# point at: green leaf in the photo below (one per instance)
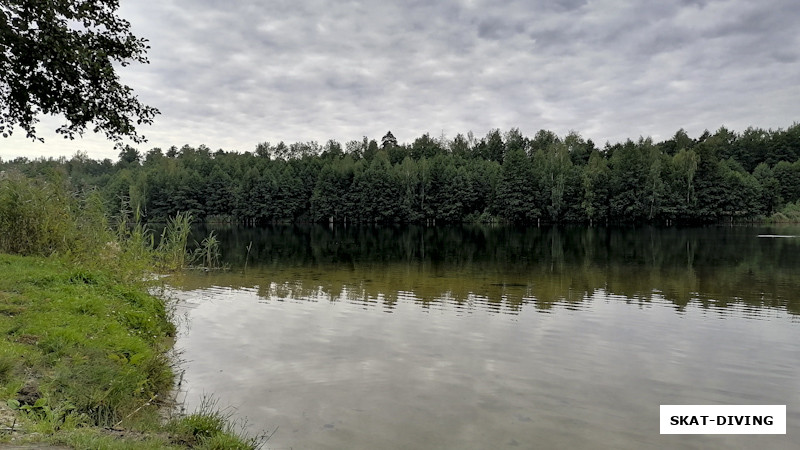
(138, 357)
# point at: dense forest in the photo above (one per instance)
(504, 176)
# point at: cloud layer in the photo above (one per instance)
(232, 74)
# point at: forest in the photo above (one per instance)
(723, 176)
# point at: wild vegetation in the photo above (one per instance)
(83, 354)
(724, 176)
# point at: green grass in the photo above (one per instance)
(83, 346)
(211, 428)
(92, 347)
(81, 349)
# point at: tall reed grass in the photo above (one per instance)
(171, 250)
(207, 253)
(43, 217)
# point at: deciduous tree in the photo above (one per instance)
(58, 58)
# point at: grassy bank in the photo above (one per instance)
(83, 346)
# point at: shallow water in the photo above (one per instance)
(475, 338)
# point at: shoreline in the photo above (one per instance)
(85, 363)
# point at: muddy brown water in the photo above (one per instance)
(493, 337)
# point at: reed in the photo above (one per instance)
(247, 257)
(43, 217)
(207, 253)
(171, 248)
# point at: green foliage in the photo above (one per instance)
(789, 213)
(558, 178)
(629, 170)
(595, 190)
(768, 189)
(171, 248)
(43, 217)
(494, 148)
(377, 190)
(211, 427)
(425, 147)
(61, 58)
(505, 175)
(516, 190)
(207, 254)
(40, 410)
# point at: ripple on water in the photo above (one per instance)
(474, 380)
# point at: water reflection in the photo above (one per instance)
(493, 337)
(506, 245)
(505, 269)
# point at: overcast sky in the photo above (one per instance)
(230, 74)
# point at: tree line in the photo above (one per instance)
(503, 176)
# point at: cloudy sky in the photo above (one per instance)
(230, 74)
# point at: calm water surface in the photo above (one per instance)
(494, 337)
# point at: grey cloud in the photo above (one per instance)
(499, 28)
(231, 74)
(753, 21)
(425, 65)
(566, 5)
(785, 56)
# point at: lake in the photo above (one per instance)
(486, 337)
